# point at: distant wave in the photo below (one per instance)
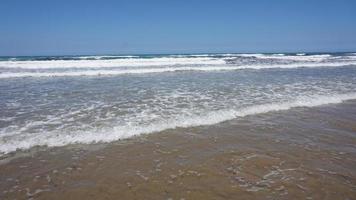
(126, 131)
(132, 62)
(98, 72)
(117, 65)
(171, 60)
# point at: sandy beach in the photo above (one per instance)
(302, 153)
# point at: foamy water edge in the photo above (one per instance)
(209, 118)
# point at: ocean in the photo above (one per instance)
(54, 101)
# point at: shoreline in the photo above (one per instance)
(298, 153)
(118, 133)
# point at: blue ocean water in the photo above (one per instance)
(60, 100)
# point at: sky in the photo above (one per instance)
(69, 27)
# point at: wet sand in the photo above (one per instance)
(302, 153)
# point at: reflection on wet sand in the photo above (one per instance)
(303, 153)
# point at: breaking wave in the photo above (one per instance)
(125, 131)
(117, 65)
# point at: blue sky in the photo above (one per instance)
(49, 27)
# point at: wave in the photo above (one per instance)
(146, 70)
(126, 131)
(110, 63)
(117, 65)
(168, 60)
(297, 57)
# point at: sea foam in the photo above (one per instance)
(118, 65)
(125, 131)
(100, 72)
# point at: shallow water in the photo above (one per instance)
(56, 101)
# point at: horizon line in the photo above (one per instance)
(192, 53)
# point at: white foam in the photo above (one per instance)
(172, 60)
(299, 57)
(137, 65)
(144, 70)
(53, 139)
(110, 63)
